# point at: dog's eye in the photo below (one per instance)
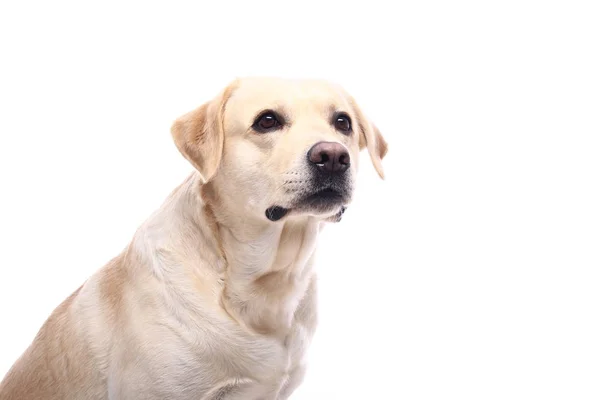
(342, 123)
(267, 121)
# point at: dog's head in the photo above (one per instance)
(274, 148)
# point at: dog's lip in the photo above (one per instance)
(327, 193)
(324, 199)
(275, 213)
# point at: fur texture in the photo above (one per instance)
(210, 300)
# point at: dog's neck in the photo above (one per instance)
(268, 273)
(269, 264)
(264, 268)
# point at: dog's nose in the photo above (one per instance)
(329, 157)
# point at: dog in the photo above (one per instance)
(215, 296)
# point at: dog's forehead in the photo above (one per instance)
(256, 94)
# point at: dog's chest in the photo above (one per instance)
(281, 368)
(213, 354)
(245, 367)
(271, 362)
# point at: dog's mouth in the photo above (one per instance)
(324, 198)
(322, 201)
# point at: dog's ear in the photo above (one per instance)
(371, 138)
(199, 135)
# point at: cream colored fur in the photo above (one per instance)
(210, 300)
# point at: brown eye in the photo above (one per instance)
(267, 121)
(342, 123)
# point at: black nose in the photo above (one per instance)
(329, 157)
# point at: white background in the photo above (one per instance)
(472, 272)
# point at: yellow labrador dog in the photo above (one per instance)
(214, 298)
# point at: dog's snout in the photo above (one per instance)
(329, 157)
